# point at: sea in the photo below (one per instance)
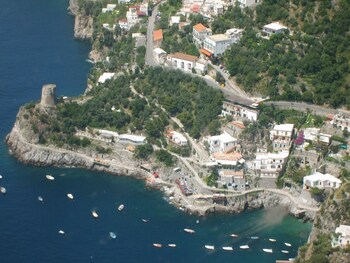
(37, 47)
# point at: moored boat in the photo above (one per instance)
(144, 220)
(112, 235)
(254, 237)
(94, 214)
(234, 235)
(288, 244)
(227, 248)
(157, 245)
(61, 232)
(3, 190)
(272, 240)
(0, 176)
(40, 199)
(70, 196)
(188, 230)
(209, 247)
(171, 245)
(285, 251)
(50, 177)
(121, 207)
(244, 247)
(267, 250)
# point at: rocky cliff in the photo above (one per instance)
(83, 25)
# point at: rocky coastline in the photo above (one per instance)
(83, 25)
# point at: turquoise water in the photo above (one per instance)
(37, 47)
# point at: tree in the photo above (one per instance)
(164, 157)
(143, 151)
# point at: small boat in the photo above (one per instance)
(288, 244)
(197, 222)
(112, 235)
(267, 250)
(121, 207)
(157, 245)
(70, 196)
(171, 245)
(254, 238)
(227, 248)
(144, 220)
(234, 235)
(40, 199)
(244, 247)
(3, 190)
(61, 232)
(94, 214)
(90, 61)
(272, 240)
(285, 251)
(50, 177)
(0, 176)
(188, 230)
(209, 247)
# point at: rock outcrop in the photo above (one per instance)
(83, 25)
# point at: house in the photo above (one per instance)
(281, 136)
(132, 16)
(342, 119)
(231, 177)
(305, 157)
(105, 76)
(123, 24)
(199, 33)
(186, 62)
(269, 164)
(235, 34)
(230, 161)
(274, 28)
(242, 112)
(157, 37)
(234, 128)
(174, 20)
(159, 55)
(343, 239)
(222, 143)
(140, 39)
(134, 139)
(177, 138)
(218, 9)
(314, 135)
(182, 25)
(321, 181)
(247, 3)
(109, 8)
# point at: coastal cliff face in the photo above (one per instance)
(83, 25)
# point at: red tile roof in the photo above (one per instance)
(183, 56)
(158, 35)
(199, 27)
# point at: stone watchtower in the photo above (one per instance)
(48, 97)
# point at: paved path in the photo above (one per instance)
(302, 106)
(149, 47)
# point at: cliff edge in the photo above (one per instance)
(83, 24)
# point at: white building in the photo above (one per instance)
(123, 24)
(124, 1)
(105, 76)
(321, 181)
(342, 119)
(218, 9)
(199, 33)
(240, 111)
(159, 55)
(177, 138)
(314, 135)
(187, 62)
(343, 239)
(231, 177)
(217, 44)
(274, 28)
(269, 164)
(174, 20)
(247, 3)
(109, 8)
(281, 136)
(222, 143)
(134, 139)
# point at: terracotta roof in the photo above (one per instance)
(195, 8)
(158, 35)
(234, 156)
(232, 173)
(183, 56)
(206, 52)
(123, 20)
(238, 124)
(199, 27)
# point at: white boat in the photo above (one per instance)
(90, 61)
(285, 251)
(157, 245)
(0, 176)
(61, 232)
(267, 250)
(40, 199)
(144, 220)
(227, 248)
(272, 240)
(171, 245)
(234, 235)
(244, 247)
(70, 196)
(121, 207)
(50, 177)
(94, 214)
(288, 244)
(112, 235)
(197, 222)
(209, 247)
(254, 238)
(188, 230)
(3, 190)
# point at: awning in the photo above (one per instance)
(206, 52)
